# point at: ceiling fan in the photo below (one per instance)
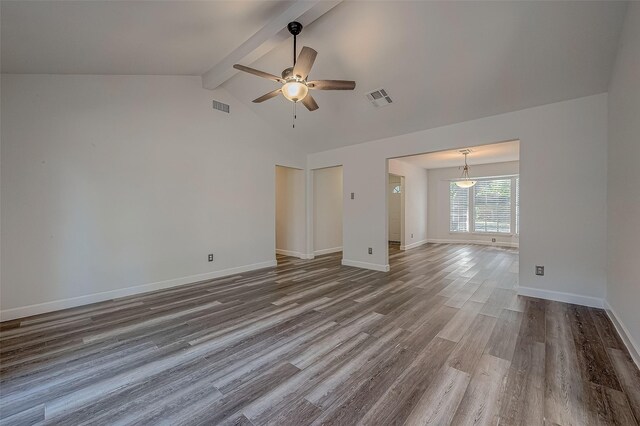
(295, 86)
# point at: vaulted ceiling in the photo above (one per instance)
(126, 37)
(441, 62)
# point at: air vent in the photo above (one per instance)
(220, 106)
(379, 98)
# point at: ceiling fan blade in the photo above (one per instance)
(267, 96)
(331, 85)
(304, 62)
(309, 102)
(258, 73)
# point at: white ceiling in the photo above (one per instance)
(126, 37)
(441, 62)
(483, 154)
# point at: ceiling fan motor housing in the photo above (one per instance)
(287, 74)
(294, 28)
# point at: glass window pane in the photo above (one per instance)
(492, 206)
(458, 208)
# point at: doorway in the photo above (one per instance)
(444, 207)
(290, 212)
(327, 210)
(395, 198)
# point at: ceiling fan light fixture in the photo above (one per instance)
(295, 90)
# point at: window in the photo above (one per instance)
(517, 183)
(459, 208)
(396, 189)
(492, 206)
(486, 207)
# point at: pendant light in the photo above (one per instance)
(466, 181)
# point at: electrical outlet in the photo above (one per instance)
(539, 270)
(370, 250)
(353, 195)
(493, 240)
(210, 257)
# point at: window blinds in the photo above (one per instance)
(492, 206)
(459, 208)
(518, 205)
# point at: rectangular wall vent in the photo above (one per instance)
(379, 98)
(220, 106)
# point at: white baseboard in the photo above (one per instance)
(56, 305)
(293, 253)
(366, 265)
(632, 346)
(480, 242)
(413, 245)
(559, 296)
(327, 251)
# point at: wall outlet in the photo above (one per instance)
(370, 250)
(493, 240)
(539, 270)
(353, 195)
(210, 257)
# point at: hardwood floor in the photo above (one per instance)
(441, 339)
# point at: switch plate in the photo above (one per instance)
(539, 270)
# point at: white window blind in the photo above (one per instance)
(518, 205)
(486, 207)
(492, 206)
(459, 208)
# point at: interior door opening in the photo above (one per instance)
(395, 188)
(290, 212)
(327, 210)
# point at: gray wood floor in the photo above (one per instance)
(441, 339)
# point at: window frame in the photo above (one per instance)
(514, 207)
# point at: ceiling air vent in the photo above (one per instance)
(220, 106)
(379, 98)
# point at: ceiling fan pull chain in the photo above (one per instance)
(294, 115)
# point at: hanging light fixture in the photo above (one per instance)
(465, 181)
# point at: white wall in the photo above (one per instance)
(290, 212)
(415, 202)
(327, 210)
(563, 161)
(623, 185)
(113, 182)
(438, 224)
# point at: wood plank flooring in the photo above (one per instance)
(441, 339)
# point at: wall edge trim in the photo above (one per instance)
(558, 296)
(366, 265)
(480, 242)
(327, 251)
(73, 302)
(293, 253)
(632, 346)
(414, 245)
